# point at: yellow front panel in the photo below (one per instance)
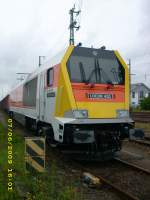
(64, 100)
(101, 110)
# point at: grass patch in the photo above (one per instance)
(50, 185)
(53, 186)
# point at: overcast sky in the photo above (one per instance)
(29, 28)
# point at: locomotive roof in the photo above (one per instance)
(85, 51)
(90, 52)
(78, 50)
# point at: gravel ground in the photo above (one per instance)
(134, 182)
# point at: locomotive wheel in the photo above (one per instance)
(47, 131)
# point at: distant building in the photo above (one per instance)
(138, 92)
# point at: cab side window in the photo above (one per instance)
(50, 77)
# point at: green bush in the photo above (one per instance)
(145, 103)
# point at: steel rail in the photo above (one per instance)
(141, 116)
(143, 142)
(133, 166)
(147, 137)
(115, 187)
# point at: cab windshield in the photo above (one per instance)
(104, 68)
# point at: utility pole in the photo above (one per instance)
(130, 95)
(129, 64)
(40, 58)
(73, 24)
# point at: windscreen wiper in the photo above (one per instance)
(82, 72)
(110, 82)
(91, 75)
(105, 76)
(115, 74)
(98, 74)
(97, 71)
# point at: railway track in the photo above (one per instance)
(105, 181)
(145, 142)
(117, 189)
(126, 172)
(141, 169)
(147, 138)
(141, 116)
(121, 187)
(123, 194)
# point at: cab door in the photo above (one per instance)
(50, 96)
(42, 97)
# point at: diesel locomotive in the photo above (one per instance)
(79, 99)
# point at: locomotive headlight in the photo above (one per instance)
(122, 113)
(80, 114)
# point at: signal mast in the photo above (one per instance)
(73, 24)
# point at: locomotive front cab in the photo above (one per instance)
(93, 99)
(98, 83)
